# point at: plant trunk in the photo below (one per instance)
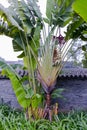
(47, 110)
(48, 100)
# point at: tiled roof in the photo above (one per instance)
(70, 70)
(74, 72)
(66, 72)
(20, 72)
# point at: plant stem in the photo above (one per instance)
(48, 100)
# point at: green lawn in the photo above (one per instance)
(15, 120)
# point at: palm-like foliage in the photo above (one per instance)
(48, 68)
(50, 64)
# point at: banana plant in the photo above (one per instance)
(25, 95)
(21, 22)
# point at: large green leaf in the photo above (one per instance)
(59, 12)
(18, 90)
(6, 27)
(36, 100)
(17, 44)
(57, 93)
(49, 8)
(10, 18)
(16, 84)
(33, 5)
(80, 6)
(71, 28)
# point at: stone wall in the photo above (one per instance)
(74, 94)
(7, 95)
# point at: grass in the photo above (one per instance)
(15, 120)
